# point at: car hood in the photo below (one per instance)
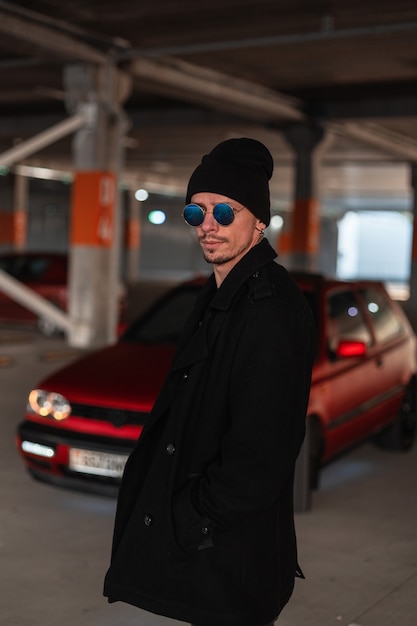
(125, 375)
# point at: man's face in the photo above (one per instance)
(224, 246)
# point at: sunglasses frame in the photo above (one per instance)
(204, 212)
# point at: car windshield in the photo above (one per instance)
(25, 268)
(163, 323)
(17, 266)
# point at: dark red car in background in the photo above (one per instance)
(82, 421)
(44, 272)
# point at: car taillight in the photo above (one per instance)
(351, 348)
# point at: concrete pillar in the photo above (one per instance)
(299, 242)
(20, 209)
(94, 282)
(133, 237)
(13, 212)
(302, 490)
(299, 250)
(411, 305)
(328, 250)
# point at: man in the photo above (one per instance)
(204, 528)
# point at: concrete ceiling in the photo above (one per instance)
(204, 71)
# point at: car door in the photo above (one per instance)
(391, 351)
(349, 383)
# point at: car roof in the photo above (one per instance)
(315, 280)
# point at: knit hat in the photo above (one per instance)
(239, 169)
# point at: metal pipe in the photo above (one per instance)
(33, 301)
(274, 40)
(43, 139)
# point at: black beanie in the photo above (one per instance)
(239, 169)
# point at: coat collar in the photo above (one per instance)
(254, 260)
(213, 300)
(194, 344)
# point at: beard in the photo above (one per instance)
(214, 256)
(218, 257)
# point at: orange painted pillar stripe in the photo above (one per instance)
(93, 207)
(20, 228)
(305, 226)
(133, 234)
(284, 242)
(13, 228)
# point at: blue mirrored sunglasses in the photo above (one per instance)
(223, 213)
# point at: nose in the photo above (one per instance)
(209, 223)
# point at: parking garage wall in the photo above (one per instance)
(168, 251)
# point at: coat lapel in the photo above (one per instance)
(205, 322)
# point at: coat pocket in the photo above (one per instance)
(192, 530)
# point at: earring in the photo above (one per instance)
(261, 231)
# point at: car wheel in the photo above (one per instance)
(400, 435)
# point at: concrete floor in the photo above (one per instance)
(358, 544)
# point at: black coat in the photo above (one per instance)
(204, 528)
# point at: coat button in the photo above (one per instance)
(147, 520)
(170, 448)
(205, 530)
(184, 377)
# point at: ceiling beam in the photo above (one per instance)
(211, 89)
(49, 40)
(378, 137)
(187, 82)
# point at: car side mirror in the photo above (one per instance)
(350, 348)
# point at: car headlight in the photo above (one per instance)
(49, 404)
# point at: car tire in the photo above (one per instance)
(400, 435)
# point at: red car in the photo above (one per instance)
(45, 273)
(83, 420)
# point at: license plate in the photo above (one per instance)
(98, 463)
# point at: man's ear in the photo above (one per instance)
(260, 227)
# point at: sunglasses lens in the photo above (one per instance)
(193, 215)
(223, 214)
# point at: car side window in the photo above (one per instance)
(386, 323)
(164, 321)
(345, 320)
(36, 268)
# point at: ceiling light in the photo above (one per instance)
(157, 217)
(141, 195)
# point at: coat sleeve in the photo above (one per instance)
(268, 395)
